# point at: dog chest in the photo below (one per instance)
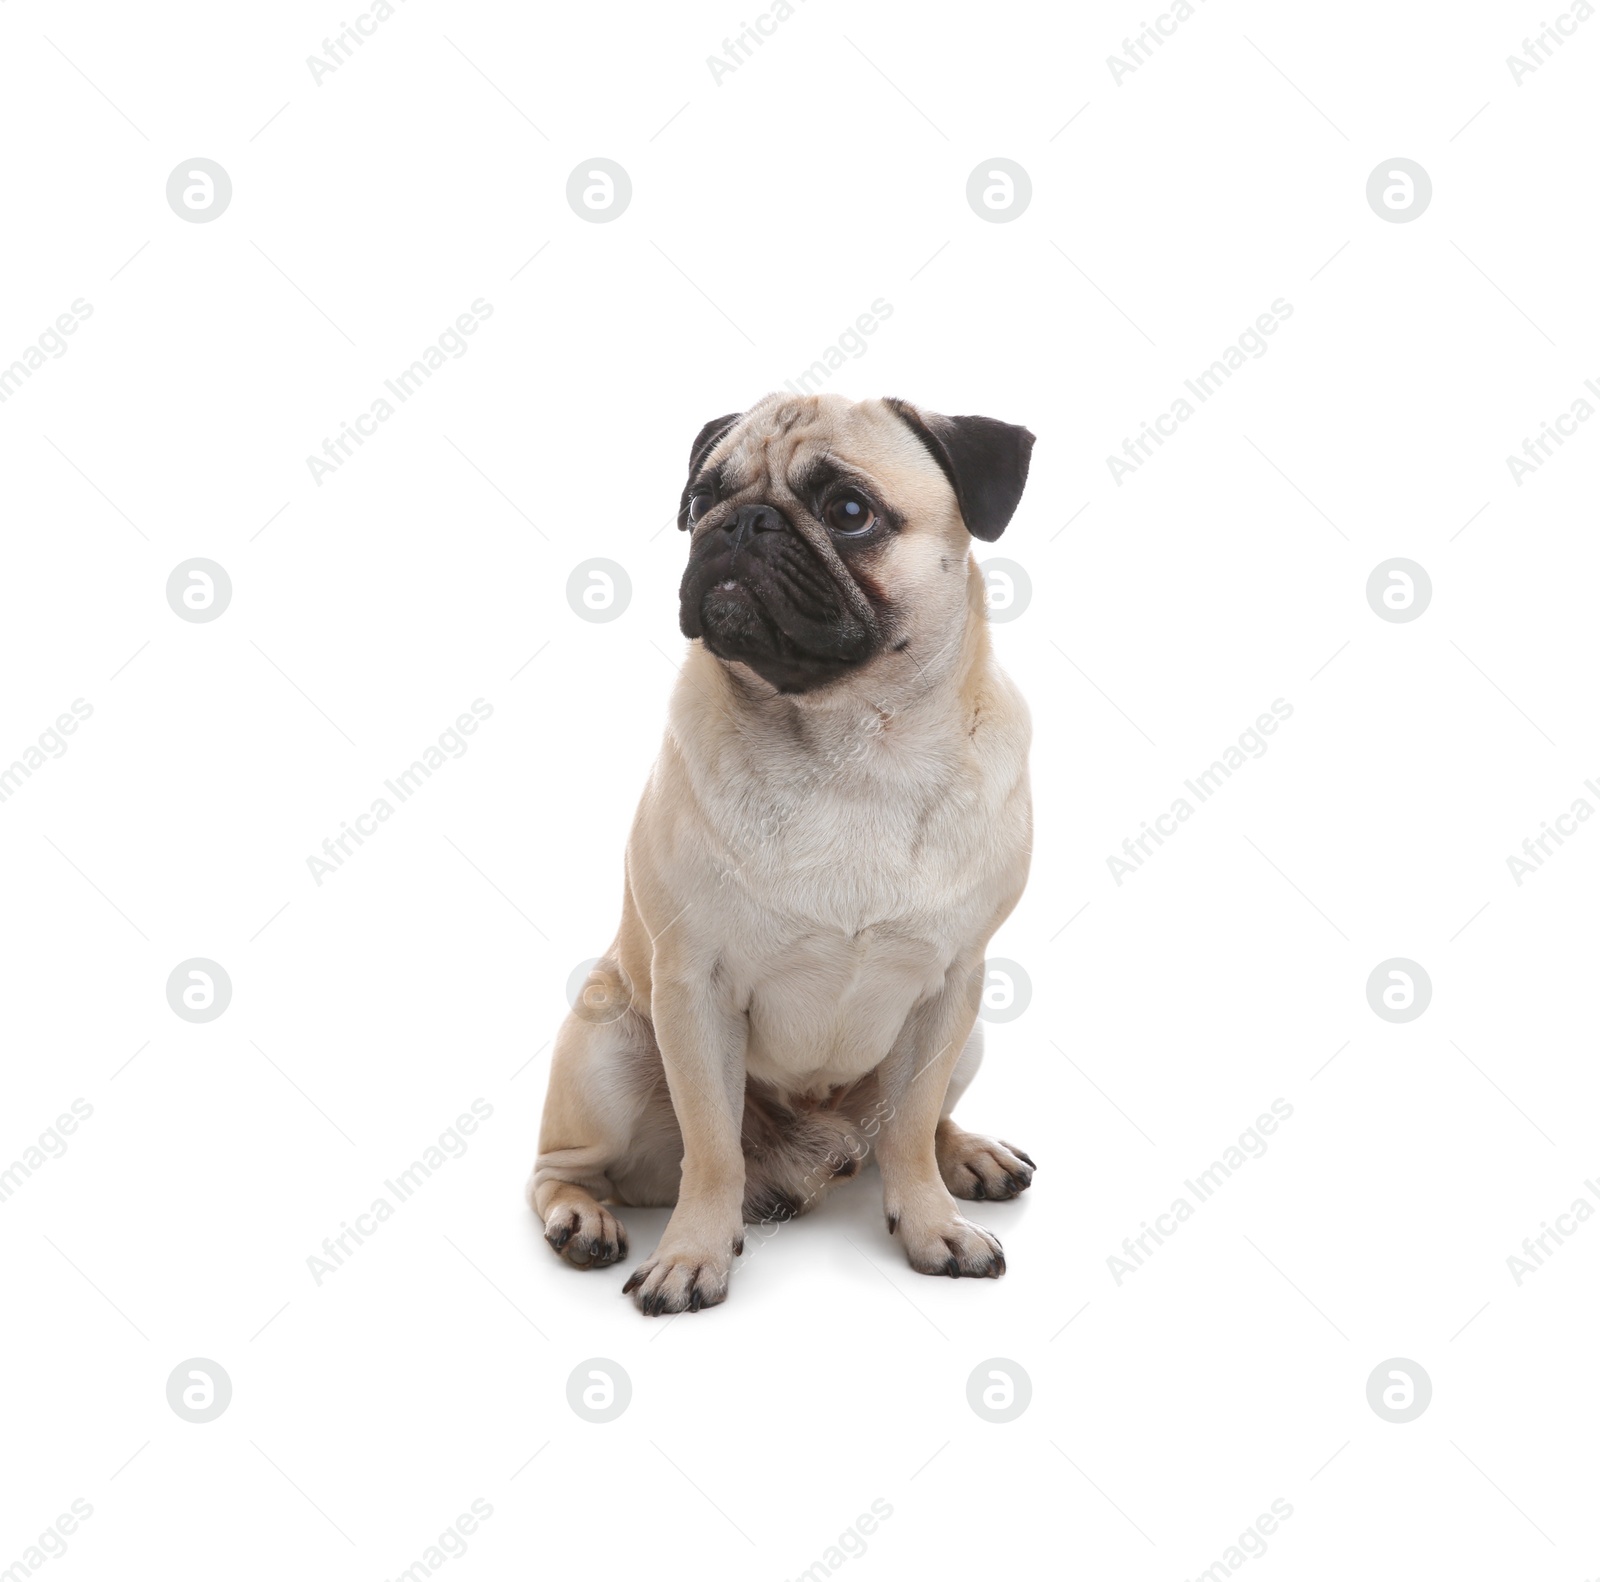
(826, 1002)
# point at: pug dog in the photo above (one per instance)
(838, 822)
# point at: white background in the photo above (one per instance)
(1167, 612)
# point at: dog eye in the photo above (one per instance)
(699, 504)
(850, 516)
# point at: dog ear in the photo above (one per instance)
(704, 443)
(985, 460)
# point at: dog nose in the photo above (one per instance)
(754, 519)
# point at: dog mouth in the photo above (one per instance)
(781, 612)
(737, 624)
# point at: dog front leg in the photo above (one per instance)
(702, 1043)
(913, 1079)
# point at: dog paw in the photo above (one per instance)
(981, 1168)
(587, 1235)
(955, 1247)
(680, 1281)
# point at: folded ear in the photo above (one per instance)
(705, 441)
(985, 460)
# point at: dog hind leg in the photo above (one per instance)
(971, 1166)
(601, 1132)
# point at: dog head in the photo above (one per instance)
(826, 534)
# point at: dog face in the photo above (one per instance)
(829, 535)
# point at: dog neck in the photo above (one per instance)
(927, 696)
